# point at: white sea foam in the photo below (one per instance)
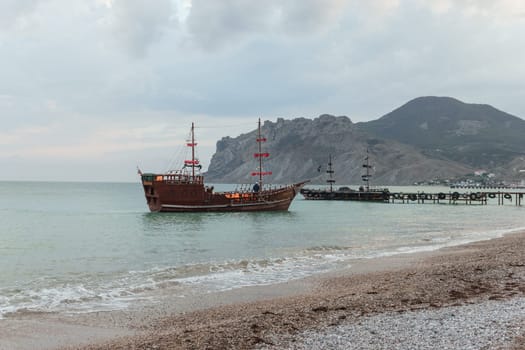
(268, 272)
(75, 298)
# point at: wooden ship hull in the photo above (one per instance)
(178, 193)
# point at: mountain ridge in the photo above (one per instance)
(443, 127)
(400, 145)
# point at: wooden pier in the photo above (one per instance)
(469, 198)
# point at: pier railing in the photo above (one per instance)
(471, 198)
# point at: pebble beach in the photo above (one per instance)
(486, 325)
(464, 297)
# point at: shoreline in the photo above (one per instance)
(274, 315)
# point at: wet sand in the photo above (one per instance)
(256, 317)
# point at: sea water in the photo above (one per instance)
(81, 247)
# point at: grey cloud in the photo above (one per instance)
(311, 16)
(12, 10)
(214, 24)
(137, 24)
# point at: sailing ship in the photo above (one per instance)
(184, 190)
(365, 193)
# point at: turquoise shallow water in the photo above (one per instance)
(76, 247)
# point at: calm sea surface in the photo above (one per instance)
(78, 247)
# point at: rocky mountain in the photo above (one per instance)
(442, 127)
(425, 139)
(300, 146)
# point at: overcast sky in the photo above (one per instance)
(89, 89)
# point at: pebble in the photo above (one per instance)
(486, 325)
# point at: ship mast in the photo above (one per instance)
(192, 149)
(330, 172)
(193, 163)
(367, 176)
(260, 155)
(259, 144)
